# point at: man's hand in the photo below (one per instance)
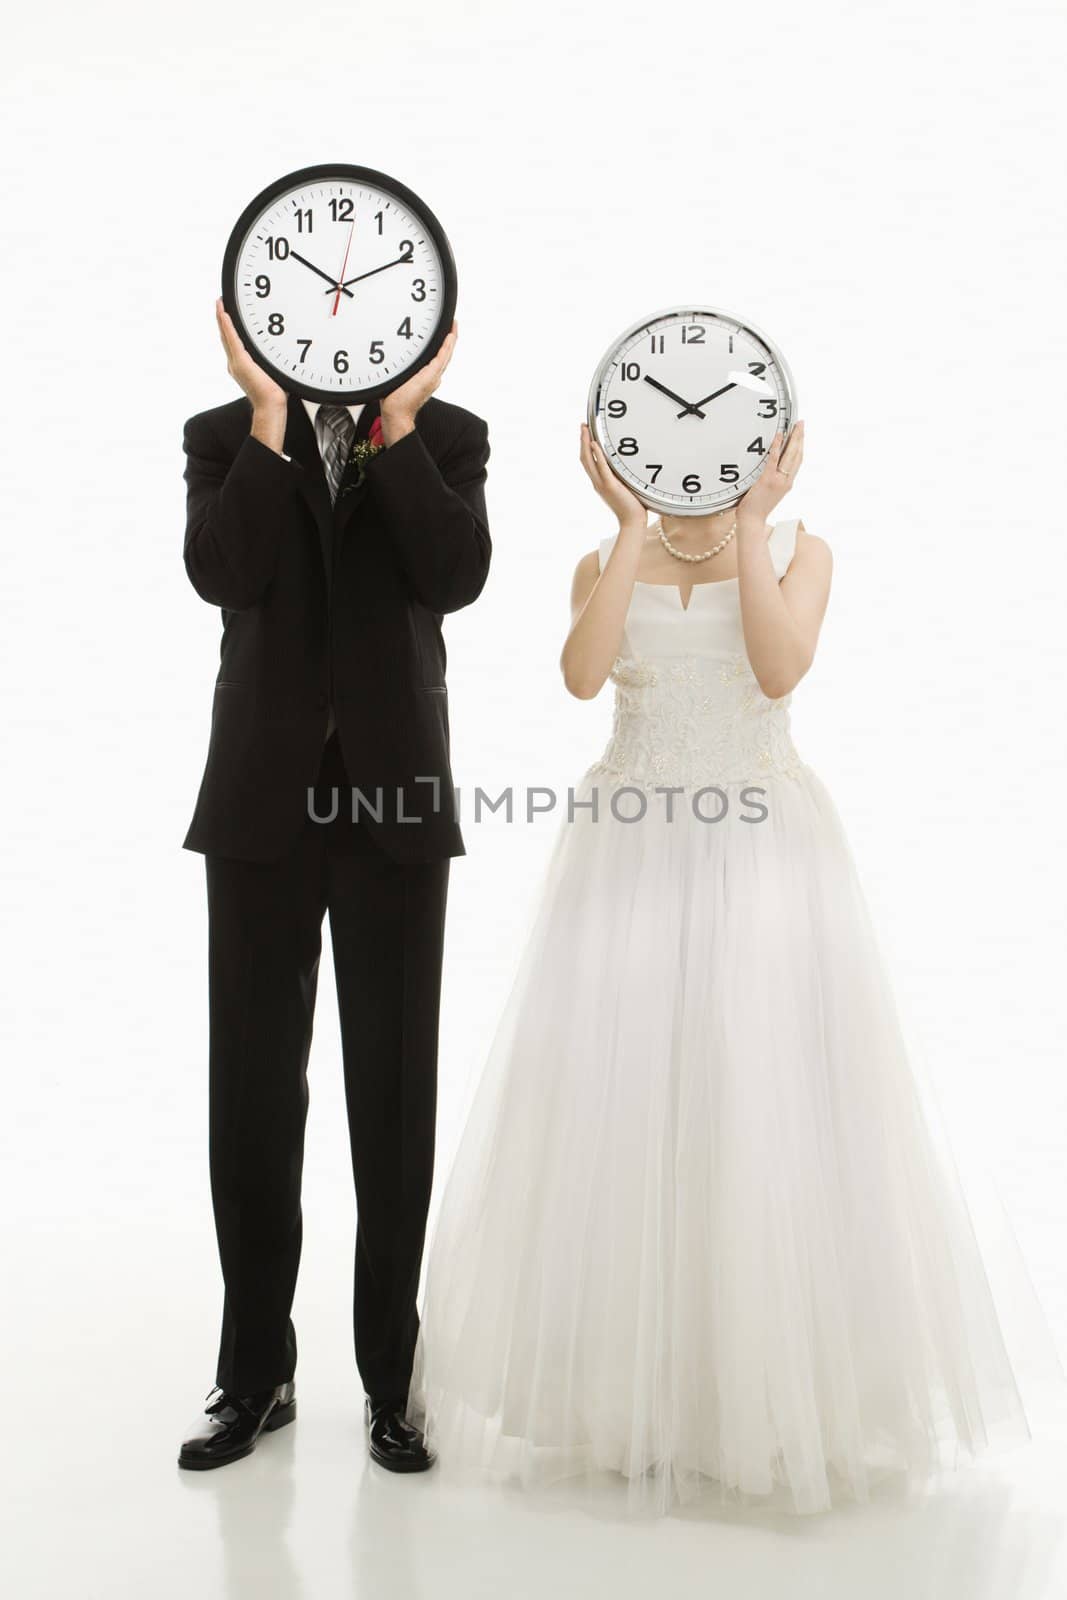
(270, 403)
(398, 409)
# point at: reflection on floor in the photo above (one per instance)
(96, 1508)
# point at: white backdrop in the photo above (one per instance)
(876, 187)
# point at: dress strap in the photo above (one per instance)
(605, 548)
(782, 545)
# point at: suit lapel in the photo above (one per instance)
(351, 492)
(301, 444)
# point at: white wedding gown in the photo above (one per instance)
(700, 1230)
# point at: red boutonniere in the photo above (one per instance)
(363, 449)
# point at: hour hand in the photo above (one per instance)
(334, 285)
(662, 387)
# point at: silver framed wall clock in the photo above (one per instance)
(341, 282)
(684, 405)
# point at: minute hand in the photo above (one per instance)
(400, 260)
(716, 395)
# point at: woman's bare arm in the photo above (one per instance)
(780, 620)
(600, 600)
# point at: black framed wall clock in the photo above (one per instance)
(684, 405)
(341, 282)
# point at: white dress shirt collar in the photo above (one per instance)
(312, 409)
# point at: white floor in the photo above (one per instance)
(120, 1342)
(111, 1297)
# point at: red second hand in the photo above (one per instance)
(341, 274)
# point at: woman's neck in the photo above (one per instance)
(697, 533)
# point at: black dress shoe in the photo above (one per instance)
(394, 1443)
(234, 1425)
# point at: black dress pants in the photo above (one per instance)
(387, 932)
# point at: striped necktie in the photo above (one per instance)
(334, 433)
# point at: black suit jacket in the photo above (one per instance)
(326, 603)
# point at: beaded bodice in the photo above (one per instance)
(688, 708)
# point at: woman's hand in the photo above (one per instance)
(614, 493)
(780, 468)
(398, 408)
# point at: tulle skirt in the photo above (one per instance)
(701, 1230)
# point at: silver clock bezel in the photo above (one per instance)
(677, 505)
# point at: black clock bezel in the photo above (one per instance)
(319, 173)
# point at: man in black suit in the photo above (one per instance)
(327, 789)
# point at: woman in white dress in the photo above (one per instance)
(699, 1230)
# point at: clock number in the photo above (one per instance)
(772, 408)
(404, 330)
(656, 343)
(340, 361)
(277, 249)
(757, 368)
(341, 210)
(629, 372)
(655, 467)
(300, 215)
(306, 343)
(692, 335)
(691, 483)
(379, 217)
(757, 447)
(418, 289)
(616, 408)
(407, 252)
(730, 346)
(262, 286)
(377, 352)
(275, 323)
(627, 446)
(729, 474)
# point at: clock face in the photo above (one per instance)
(685, 405)
(340, 281)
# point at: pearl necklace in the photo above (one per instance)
(682, 555)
